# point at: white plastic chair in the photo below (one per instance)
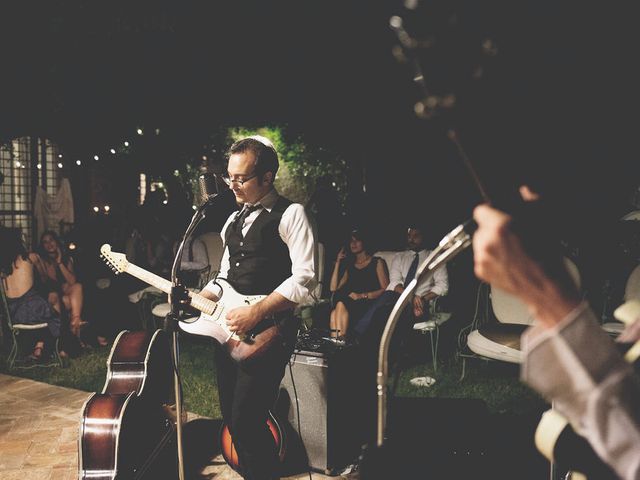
(501, 340)
(631, 292)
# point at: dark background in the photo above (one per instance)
(558, 101)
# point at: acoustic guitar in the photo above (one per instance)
(212, 321)
(125, 428)
(556, 439)
(230, 454)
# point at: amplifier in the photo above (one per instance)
(325, 423)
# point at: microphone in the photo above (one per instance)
(208, 185)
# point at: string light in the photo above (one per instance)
(59, 155)
(126, 144)
(139, 131)
(96, 158)
(17, 164)
(39, 166)
(59, 165)
(113, 151)
(78, 162)
(107, 208)
(96, 209)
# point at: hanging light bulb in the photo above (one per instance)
(96, 209)
(78, 162)
(139, 131)
(113, 151)
(59, 165)
(96, 158)
(126, 144)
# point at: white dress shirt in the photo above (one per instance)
(295, 231)
(438, 283)
(576, 365)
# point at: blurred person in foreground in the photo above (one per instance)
(568, 358)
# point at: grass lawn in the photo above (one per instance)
(495, 383)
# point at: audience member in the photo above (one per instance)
(365, 278)
(194, 261)
(59, 282)
(568, 358)
(403, 269)
(26, 305)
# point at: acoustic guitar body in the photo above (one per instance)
(124, 428)
(230, 453)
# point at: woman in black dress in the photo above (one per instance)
(365, 278)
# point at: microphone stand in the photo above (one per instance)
(452, 244)
(179, 300)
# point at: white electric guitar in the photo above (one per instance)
(212, 321)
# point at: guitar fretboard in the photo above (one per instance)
(197, 301)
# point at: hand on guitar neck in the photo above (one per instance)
(513, 254)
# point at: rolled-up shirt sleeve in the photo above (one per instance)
(295, 231)
(577, 366)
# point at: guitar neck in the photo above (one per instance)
(197, 301)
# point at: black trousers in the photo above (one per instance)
(247, 393)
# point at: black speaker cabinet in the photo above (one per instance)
(325, 424)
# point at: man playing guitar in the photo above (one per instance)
(568, 357)
(269, 250)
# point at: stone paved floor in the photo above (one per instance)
(39, 434)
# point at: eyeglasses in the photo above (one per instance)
(240, 181)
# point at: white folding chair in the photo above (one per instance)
(501, 340)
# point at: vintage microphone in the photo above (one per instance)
(180, 300)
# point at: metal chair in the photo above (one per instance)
(432, 327)
(17, 330)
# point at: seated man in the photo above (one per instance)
(403, 269)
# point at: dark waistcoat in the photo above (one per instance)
(259, 261)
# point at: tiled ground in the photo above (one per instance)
(39, 430)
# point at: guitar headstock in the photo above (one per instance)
(116, 261)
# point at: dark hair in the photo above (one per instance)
(416, 225)
(12, 246)
(262, 149)
(363, 236)
(63, 250)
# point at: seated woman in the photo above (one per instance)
(366, 277)
(26, 306)
(59, 282)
